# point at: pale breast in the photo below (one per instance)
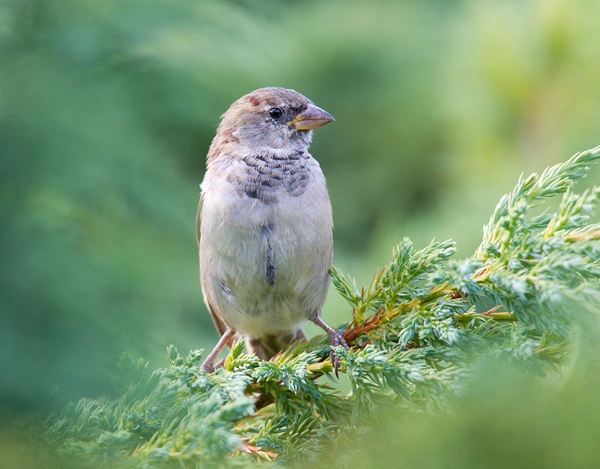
(266, 243)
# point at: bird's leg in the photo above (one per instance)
(335, 339)
(208, 363)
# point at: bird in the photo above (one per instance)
(264, 225)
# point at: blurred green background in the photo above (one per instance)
(107, 109)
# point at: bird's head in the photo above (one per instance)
(273, 118)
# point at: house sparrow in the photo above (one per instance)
(264, 224)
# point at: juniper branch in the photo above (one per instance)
(417, 332)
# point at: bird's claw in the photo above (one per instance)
(209, 367)
(208, 364)
(336, 339)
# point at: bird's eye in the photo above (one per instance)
(275, 112)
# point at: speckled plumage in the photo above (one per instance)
(268, 177)
(265, 236)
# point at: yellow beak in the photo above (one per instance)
(311, 118)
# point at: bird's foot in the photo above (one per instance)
(335, 340)
(208, 367)
(208, 364)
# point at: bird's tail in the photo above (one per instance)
(268, 346)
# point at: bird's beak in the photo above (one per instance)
(311, 118)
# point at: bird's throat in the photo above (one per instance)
(268, 177)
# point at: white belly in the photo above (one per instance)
(265, 267)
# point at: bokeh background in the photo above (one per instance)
(107, 109)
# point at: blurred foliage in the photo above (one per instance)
(107, 109)
(504, 419)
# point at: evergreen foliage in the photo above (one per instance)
(418, 332)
